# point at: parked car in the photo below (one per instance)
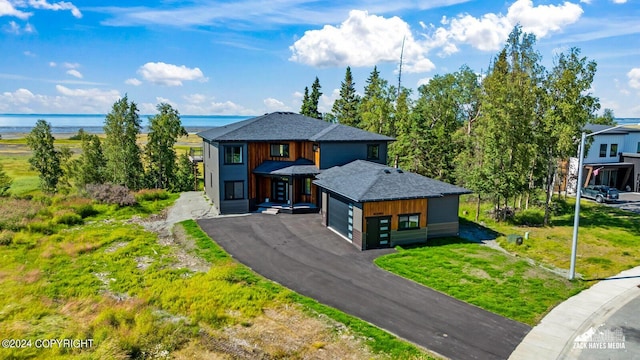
(600, 193)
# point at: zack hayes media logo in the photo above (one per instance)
(600, 338)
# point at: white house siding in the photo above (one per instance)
(593, 156)
(632, 143)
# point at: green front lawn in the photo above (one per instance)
(485, 277)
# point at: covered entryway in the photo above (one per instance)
(378, 232)
(338, 214)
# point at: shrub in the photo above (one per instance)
(46, 228)
(111, 194)
(151, 195)
(85, 210)
(79, 136)
(6, 237)
(530, 217)
(67, 218)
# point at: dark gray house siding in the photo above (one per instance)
(340, 153)
(211, 160)
(232, 173)
(442, 215)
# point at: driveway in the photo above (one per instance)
(629, 201)
(301, 254)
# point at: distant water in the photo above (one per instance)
(71, 123)
(92, 123)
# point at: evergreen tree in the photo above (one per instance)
(164, 130)
(91, 166)
(314, 99)
(45, 158)
(5, 182)
(305, 109)
(345, 108)
(122, 153)
(185, 178)
(376, 105)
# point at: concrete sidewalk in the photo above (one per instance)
(555, 336)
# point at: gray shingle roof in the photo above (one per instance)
(285, 126)
(287, 168)
(363, 181)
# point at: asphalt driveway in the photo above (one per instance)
(299, 253)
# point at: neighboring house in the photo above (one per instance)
(612, 159)
(295, 163)
(375, 206)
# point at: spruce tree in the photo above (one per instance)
(345, 108)
(5, 182)
(164, 130)
(121, 127)
(45, 158)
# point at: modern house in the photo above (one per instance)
(374, 205)
(294, 164)
(612, 159)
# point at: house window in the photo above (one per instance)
(373, 152)
(279, 150)
(638, 148)
(614, 150)
(603, 150)
(233, 154)
(233, 190)
(409, 221)
(307, 187)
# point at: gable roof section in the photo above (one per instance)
(286, 126)
(287, 168)
(364, 181)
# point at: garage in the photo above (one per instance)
(338, 214)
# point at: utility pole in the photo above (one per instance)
(400, 68)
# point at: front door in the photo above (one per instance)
(378, 232)
(280, 190)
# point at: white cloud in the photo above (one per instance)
(90, 101)
(133, 81)
(14, 28)
(275, 105)
(423, 81)
(62, 5)
(75, 73)
(199, 104)
(169, 74)
(634, 78)
(69, 65)
(361, 40)
(489, 31)
(619, 1)
(29, 53)
(52, 64)
(7, 9)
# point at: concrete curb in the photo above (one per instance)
(553, 337)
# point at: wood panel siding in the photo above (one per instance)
(259, 152)
(316, 155)
(394, 208)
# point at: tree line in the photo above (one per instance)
(501, 134)
(118, 159)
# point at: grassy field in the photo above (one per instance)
(75, 269)
(482, 276)
(607, 238)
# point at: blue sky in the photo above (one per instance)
(249, 57)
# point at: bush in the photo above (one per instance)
(111, 194)
(46, 228)
(6, 237)
(67, 218)
(85, 210)
(79, 136)
(151, 195)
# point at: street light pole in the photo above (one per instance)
(576, 218)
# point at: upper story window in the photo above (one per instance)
(603, 150)
(233, 154)
(373, 152)
(614, 150)
(280, 150)
(638, 150)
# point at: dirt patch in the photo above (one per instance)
(282, 332)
